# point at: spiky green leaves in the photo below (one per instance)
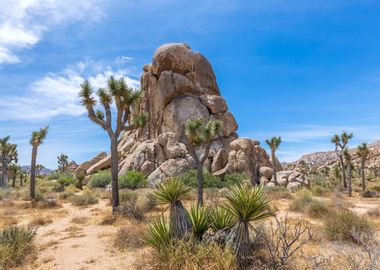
(274, 143)
(199, 219)
(141, 120)
(198, 132)
(363, 151)
(38, 137)
(158, 235)
(171, 191)
(247, 204)
(221, 219)
(86, 94)
(342, 140)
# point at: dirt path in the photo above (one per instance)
(80, 243)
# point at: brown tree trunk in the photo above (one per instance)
(343, 171)
(3, 180)
(33, 173)
(200, 183)
(274, 164)
(13, 181)
(114, 173)
(349, 178)
(362, 173)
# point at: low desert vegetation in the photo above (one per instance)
(16, 244)
(84, 199)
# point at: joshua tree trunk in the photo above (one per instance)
(3, 180)
(114, 173)
(14, 181)
(274, 164)
(33, 173)
(349, 178)
(343, 171)
(362, 164)
(200, 183)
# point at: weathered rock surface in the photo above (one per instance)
(87, 164)
(181, 85)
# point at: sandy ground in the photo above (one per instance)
(68, 245)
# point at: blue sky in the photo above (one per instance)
(300, 69)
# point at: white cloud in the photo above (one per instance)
(57, 94)
(23, 22)
(123, 59)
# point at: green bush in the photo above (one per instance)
(318, 209)
(66, 180)
(87, 198)
(210, 180)
(301, 203)
(132, 180)
(16, 243)
(101, 179)
(342, 225)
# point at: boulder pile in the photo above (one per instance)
(179, 85)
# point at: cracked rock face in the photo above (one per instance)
(179, 85)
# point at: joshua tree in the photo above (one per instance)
(363, 153)
(8, 153)
(126, 99)
(36, 140)
(22, 175)
(172, 192)
(274, 143)
(63, 162)
(39, 168)
(348, 158)
(200, 135)
(246, 205)
(340, 144)
(14, 170)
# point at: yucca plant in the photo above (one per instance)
(245, 204)
(171, 192)
(200, 220)
(221, 219)
(158, 234)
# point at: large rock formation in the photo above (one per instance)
(177, 86)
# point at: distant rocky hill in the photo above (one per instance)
(44, 171)
(318, 160)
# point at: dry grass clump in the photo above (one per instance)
(278, 193)
(305, 203)
(190, 255)
(65, 195)
(86, 198)
(39, 221)
(341, 225)
(135, 204)
(129, 237)
(79, 220)
(108, 219)
(16, 244)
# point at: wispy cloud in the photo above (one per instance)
(57, 94)
(23, 22)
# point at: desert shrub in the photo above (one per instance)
(132, 180)
(58, 187)
(108, 219)
(194, 255)
(47, 202)
(100, 179)
(300, 203)
(318, 209)
(146, 201)
(39, 221)
(233, 178)
(128, 196)
(319, 190)
(210, 180)
(54, 176)
(158, 235)
(128, 237)
(199, 219)
(66, 179)
(86, 198)
(220, 219)
(277, 192)
(130, 210)
(66, 195)
(16, 243)
(341, 225)
(368, 194)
